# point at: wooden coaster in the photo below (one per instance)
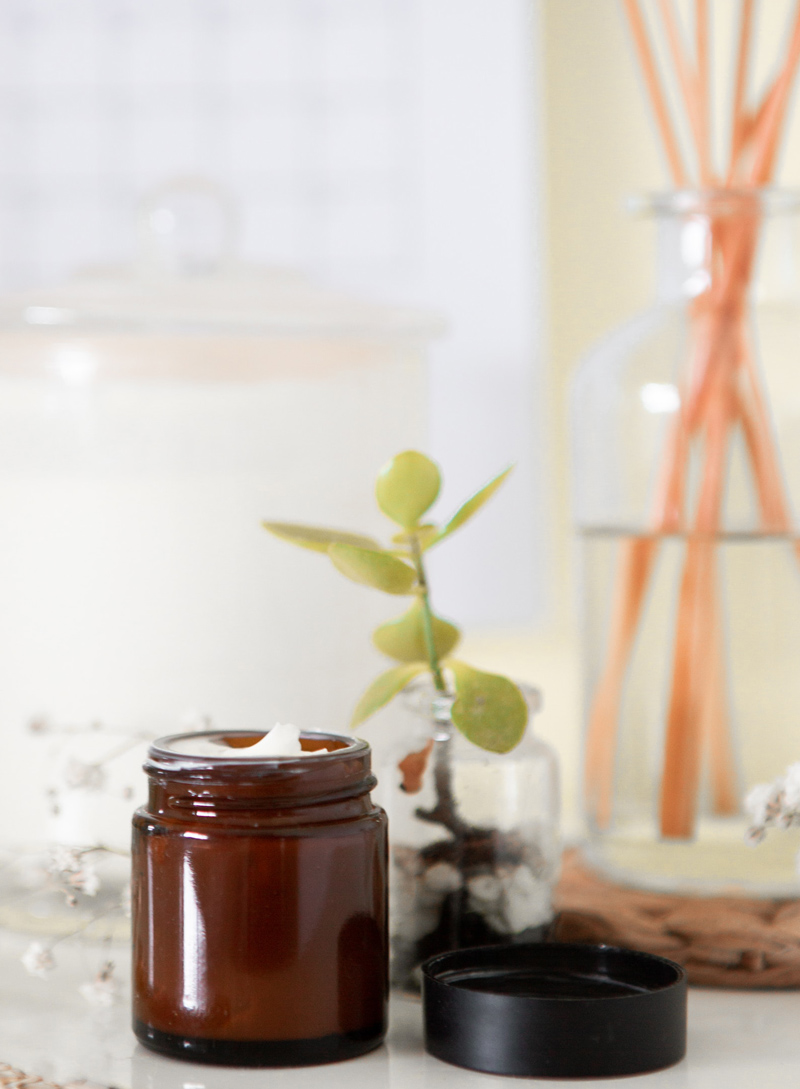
(722, 941)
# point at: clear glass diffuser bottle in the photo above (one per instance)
(686, 425)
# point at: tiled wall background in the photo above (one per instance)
(302, 108)
(388, 145)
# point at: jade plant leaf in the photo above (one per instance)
(318, 538)
(489, 710)
(383, 689)
(371, 567)
(407, 486)
(472, 506)
(404, 639)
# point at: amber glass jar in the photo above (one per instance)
(259, 904)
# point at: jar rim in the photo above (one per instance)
(161, 757)
(765, 201)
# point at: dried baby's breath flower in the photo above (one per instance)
(774, 805)
(763, 805)
(87, 880)
(79, 775)
(38, 960)
(103, 990)
(125, 900)
(40, 725)
(74, 872)
(791, 787)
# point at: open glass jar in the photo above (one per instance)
(259, 904)
(686, 432)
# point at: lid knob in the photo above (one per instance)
(186, 227)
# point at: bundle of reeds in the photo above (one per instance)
(721, 396)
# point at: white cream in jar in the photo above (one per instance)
(282, 740)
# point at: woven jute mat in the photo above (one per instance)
(722, 941)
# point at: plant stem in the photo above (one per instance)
(445, 812)
(427, 616)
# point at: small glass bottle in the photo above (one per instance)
(474, 835)
(259, 904)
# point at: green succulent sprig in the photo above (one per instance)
(488, 709)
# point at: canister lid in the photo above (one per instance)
(188, 279)
(242, 299)
(554, 1010)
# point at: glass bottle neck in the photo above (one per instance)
(693, 230)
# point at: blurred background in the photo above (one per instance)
(465, 158)
(389, 148)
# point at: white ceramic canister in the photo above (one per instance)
(150, 419)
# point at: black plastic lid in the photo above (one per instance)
(552, 1010)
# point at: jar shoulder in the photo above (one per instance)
(276, 824)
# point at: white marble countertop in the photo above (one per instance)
(737, 1040)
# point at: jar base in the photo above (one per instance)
(313, 1052)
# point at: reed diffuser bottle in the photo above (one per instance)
(687, 468)
(687, 456)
